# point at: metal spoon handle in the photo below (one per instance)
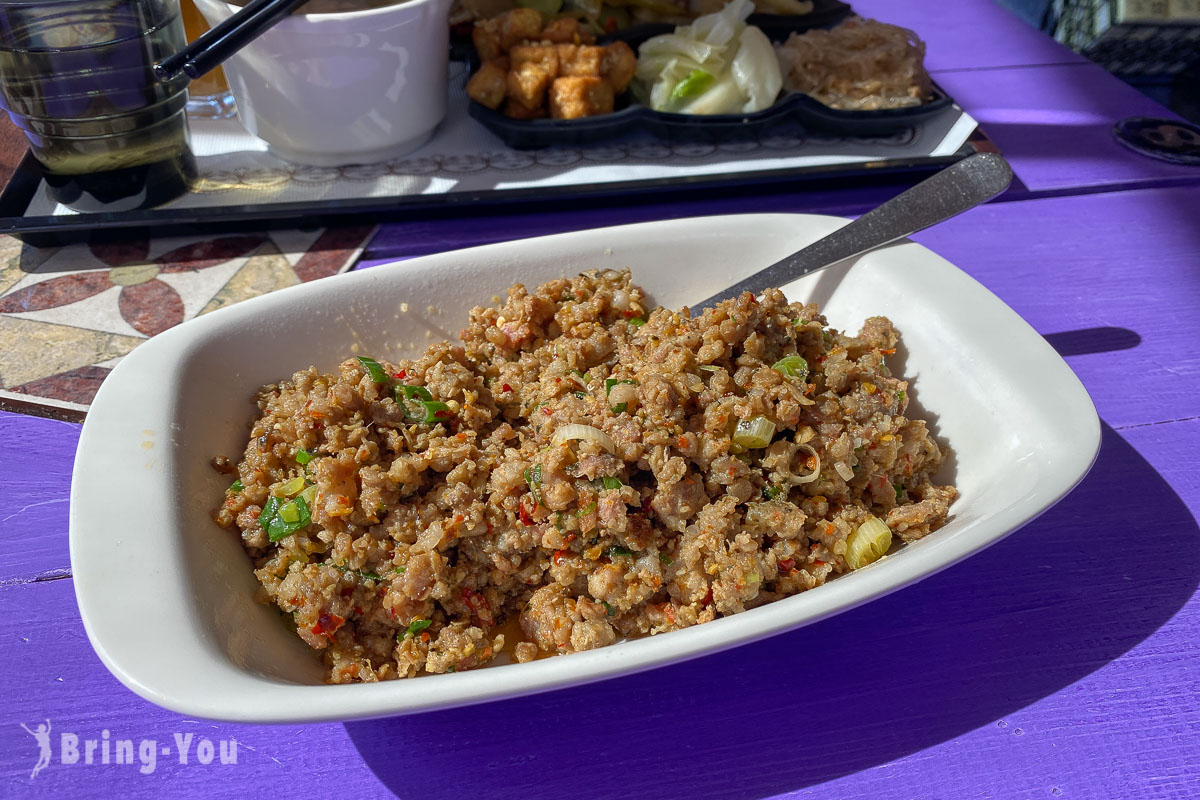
(964, 185)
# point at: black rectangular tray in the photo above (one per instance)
(49, 230)
(53, 231)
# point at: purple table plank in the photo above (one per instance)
(1055, 125)
(970, 34)
(1115, 280)
(34, 487)
(65, 682)
(1053, 661)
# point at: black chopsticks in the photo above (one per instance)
(218, 44)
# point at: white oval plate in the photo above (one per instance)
(167, 597)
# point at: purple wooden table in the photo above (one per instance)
(1063, 662)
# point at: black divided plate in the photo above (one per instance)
(794, 107)
(631, 117)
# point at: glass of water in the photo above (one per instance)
(76, 76)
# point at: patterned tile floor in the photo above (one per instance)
(68, 315)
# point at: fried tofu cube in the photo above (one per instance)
(577, 96)
(486, 38)
(489, 84)
(518, 111)
(543, 55)
(527, 85)
(618, 65)
(581, 61)
(519, 25)
(566, 30)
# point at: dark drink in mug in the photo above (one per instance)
(76, 76)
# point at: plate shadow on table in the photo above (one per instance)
(963, 649)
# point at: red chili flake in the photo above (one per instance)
(558, 380)
(559, 555)
(400, 375)
(707, 597)
(628, 314)
(425, 636)
(327, 624)
(683, 442)
(547, 411)
(570, 537)
(889, 352)
(442, 413)
(787, 564)
(669, 610)
(506, 388)
(490, 529)
(525, 518)
(818, 563)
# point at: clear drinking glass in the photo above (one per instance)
(76, 76)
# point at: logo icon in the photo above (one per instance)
(42, 735)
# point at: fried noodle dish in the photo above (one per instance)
(577, 470)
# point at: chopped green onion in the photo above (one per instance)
(696, 83)
(427, 411)
(899, 492)
(374, 369)
(665, 559)
(619, 408)
(309, 495)
(588, 509)
(609, 383)
(568, 296)
(291, 488)
(281, 520)
(413, 392)
(615, 552)
(609, 610)
(372, 576)
(900, 395)
(609, 482)
(709, 367)
(303, 457)
(236, 486)
(792, 366)
(754, 433)
(400, 570)
(414, 628)
(581, 395)
(533, 477)
(869, 541)
(586, 377)
(771, 492)
(637, 322)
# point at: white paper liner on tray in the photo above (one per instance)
(463, 156)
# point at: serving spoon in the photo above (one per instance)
(962, 186)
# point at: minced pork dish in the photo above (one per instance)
(578, 469)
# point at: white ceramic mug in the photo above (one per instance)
(346, 88)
